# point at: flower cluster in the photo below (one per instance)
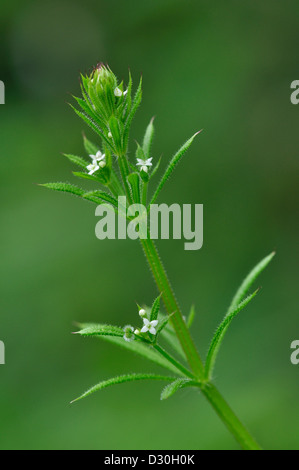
(108, 108)
(98, 161)
(148, 327)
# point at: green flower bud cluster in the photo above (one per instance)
(108, 108)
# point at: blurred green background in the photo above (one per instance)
(222, 66)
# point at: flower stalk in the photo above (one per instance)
(241, 434)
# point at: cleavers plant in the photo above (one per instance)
(108, 109)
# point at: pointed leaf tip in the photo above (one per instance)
(122, 379)
(173, 387)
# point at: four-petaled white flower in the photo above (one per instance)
(145, 164)
(118, 92)
(92, 168)
(99, 158)
(98, 161)
(149, 326)
(129, 333)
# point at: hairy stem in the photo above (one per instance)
(144, 194)
(173, 361)
(223, 410)
(172, 307)
(124, 171)
(246, 441)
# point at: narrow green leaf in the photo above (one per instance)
(86, 176)
(127, 103)
(162, 324)
(92, 125)
(102, 196)
(99, 330)
(89, 146)
(116, 132)
(121, 379)
(249, 280)
(191, 317)
(135, 104)
(95, 116)
(156, 168)
(173, 387)
(143, 350)
(173, 163)
(148, 139)
(134, 181)
(155, 308)
(64, 187)
(139, 152)
(220, 333)
(77, 160)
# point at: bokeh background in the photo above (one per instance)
(222, 66)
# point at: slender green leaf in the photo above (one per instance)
(248, 281)
(135, 104)
(86, 176)
(143, 350)
(77, 160)
(134, 181)
(156, 168)
(102, 196)
(220, 333)
(121, 379)
(99, 330)
(173, 163)
(148, 139)
(92, 125)
(127, 103)
(64, 187)
(162, 324)
(191, 317)
(173, 387)
(88, 110)
(116, 131)
(155, 308)
(89, 146)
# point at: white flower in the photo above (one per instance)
(129, 333)
(142, 313)
(118, 92)
(109, 135)
(92, 168)
(99, 159)
(149, 326)
(145, 164)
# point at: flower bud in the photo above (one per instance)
(129, 333)
(100, 86)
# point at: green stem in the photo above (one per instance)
(144, 194)
(173, 361)
(225, 413)
(246, 441)
(124, 171)
(172, 307)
